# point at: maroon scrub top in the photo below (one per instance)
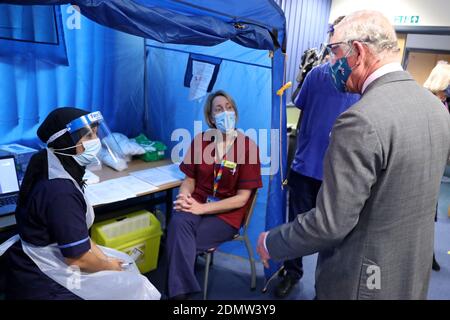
(199, 165)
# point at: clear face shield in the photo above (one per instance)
(92, 133)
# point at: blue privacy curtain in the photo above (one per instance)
(104, 72)
(307, 26)
(33, 31)
(33, 24)
(246, 74)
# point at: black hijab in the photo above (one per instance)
(38, 167)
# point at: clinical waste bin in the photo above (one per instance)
(141, 230)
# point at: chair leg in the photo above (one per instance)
(212, 258)
(252, 262)
(205, 280)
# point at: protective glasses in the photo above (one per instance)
(332, 49)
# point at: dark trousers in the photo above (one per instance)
(302, 198)
(187, 236)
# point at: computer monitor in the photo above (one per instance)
(9, 182)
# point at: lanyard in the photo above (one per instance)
(217, 177)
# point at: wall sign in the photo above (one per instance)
(406, 20)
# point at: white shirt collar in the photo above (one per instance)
(387, 68)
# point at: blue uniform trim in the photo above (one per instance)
(73, 244)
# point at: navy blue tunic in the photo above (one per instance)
(55, 212)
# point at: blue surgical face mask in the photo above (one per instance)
(225, 121)
(340, 72)
(89, 155)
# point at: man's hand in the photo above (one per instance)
(261, 249)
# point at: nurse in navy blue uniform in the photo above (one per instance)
(54, 211)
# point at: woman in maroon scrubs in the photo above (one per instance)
(222, 171)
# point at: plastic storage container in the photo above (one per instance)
(154, 150)
(22, 154)
(139, 229)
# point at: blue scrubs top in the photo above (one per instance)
(321, 104)
(55, 212)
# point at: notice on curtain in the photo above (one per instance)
(202, 73)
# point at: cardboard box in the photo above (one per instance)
(22, 154)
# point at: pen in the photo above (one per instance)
(126, 264)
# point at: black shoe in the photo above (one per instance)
(436, 266)
(285, 286)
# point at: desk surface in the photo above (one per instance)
(107, 173)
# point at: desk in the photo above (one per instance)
(141, 201)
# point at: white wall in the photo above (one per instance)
(434, 13)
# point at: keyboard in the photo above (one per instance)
(4, 201)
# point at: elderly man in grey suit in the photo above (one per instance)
(373, 224)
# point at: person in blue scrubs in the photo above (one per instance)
(321, 104)
(54, 211)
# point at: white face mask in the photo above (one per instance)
(89, 155)
(91, 149)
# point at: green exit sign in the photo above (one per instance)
(406, 20)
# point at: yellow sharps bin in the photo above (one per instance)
(141, 230)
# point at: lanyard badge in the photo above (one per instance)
(217, 177)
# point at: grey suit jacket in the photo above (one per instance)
(373, 224)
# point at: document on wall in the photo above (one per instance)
(160, 175)
(202, 73)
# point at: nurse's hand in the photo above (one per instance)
(115, 264)
(189, 204)
(181, 203)
(182, 196)
(194, 207)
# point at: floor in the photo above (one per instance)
(230, 275)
